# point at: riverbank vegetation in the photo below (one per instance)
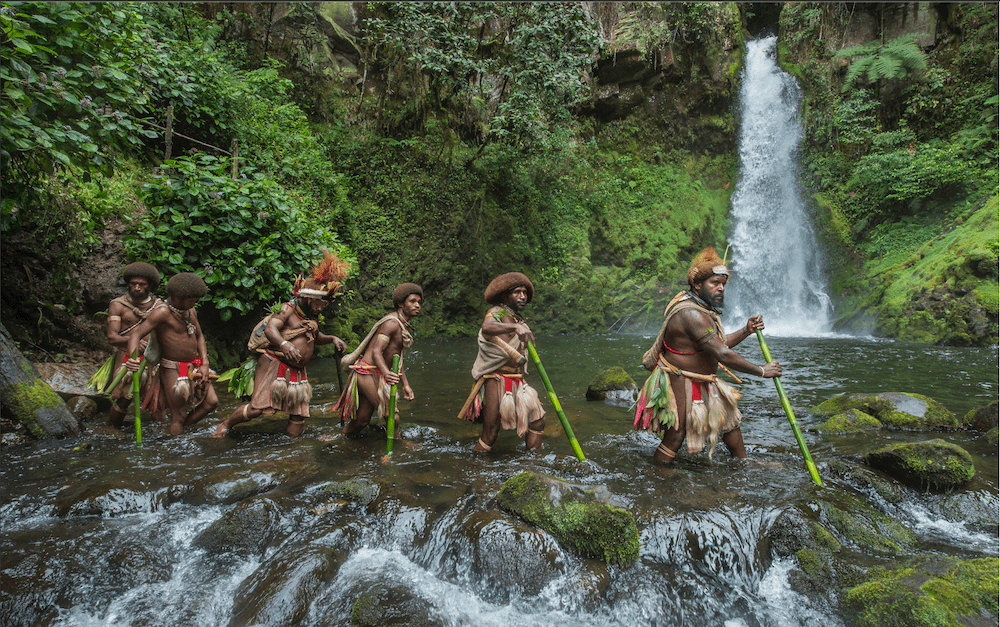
(593, 149)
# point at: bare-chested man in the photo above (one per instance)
(280, 381)
(501, 398)
(125, 314)
(686, 354)
(368, 387)
(183, 372)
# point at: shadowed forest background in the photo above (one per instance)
(590, 145)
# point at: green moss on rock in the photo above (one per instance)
(984, 418)
(612, 379)
(576, 518)
(364, 492)
(933, 592)
(902, 410)
(850, 421)
(933, 464)
(26, 398)
(867, 528)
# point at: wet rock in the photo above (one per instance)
(25, 397)
(893, 409)
(974, 510)
(867, 482)
(280, 591)
(931, 465)
(579, 516)
(993, 436)
(797, 533)
(612, 384)
(247, 529)
(235, 484)
(360, 490)
(112, 499)
(850, 421)
(138, 565)
(85, 409)
(856, 522)
(68, 380)
(926, 592)
(29, 588)
(384, 606)
(983, 419)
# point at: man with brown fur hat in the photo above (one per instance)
(692, 403)
(280, 381)
(183, 373)
(125, 314)
(501, 398)
(368, 386)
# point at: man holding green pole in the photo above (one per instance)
(501, 398)
(683, 398)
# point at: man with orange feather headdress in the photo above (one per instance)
(683, 397)
(280, 381)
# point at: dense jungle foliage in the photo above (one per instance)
(445, 143)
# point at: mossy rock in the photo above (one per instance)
(850, 421)
(859, 524)
(993, 436)
(613, 379)
(247, 529)
(902, 410)
(933, 464)
(927, 592)
(382, 606)
(359, 490)
(983, 419)
(579, 516)
(867, 481)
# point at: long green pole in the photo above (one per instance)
(391, 419)
(121, 375)
(137, 401)
(555, 402)
(791, 415)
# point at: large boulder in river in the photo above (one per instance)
(934, 464)
(926, 592)
(579, 516)
(612, 384)
(27, 398)
(850, 421)
(983, 419)
(247, 529)
(893, 409)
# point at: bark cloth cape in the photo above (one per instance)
(349, 400)
(124, 389)
(711, 410)
(278, 386)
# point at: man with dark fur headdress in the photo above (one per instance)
(369, 384)
(501, 398)
(280, 381)
(125, 314)
(183, 373)
(692, 403)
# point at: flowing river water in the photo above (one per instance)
(96, 532)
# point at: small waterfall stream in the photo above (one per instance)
(778, 269)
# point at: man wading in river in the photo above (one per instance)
(125, 314)
(683, 398)
(289, 339)
(368, 387)
(501, 398)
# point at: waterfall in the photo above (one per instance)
(774, 253)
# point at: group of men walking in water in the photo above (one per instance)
(683, 399)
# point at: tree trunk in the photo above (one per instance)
(27, 398)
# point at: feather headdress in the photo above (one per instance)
(326, 278)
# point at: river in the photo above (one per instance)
(96, 532)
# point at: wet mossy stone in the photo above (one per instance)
(850, 421)
(993, 436)
(579, 516)
(382, 606)
(247, 529)
(933, 464)
(983, 419)
(857, 522)
(867, 481)
(613, 379)
(893, 409)
(926, 592)
(358, 490)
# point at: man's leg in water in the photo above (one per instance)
(367, 403)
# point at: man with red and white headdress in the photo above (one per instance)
(692, 403)
(280, 380)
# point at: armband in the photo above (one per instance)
(114, 318)
(283, 342)
(707, 337)
(383, 336)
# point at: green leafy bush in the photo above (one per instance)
(247, 237)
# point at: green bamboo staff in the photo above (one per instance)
(555, 402)
(791, 416)
(391, 419)
(121, 375)
(137, 400)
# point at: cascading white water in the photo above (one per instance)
(778, 269)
